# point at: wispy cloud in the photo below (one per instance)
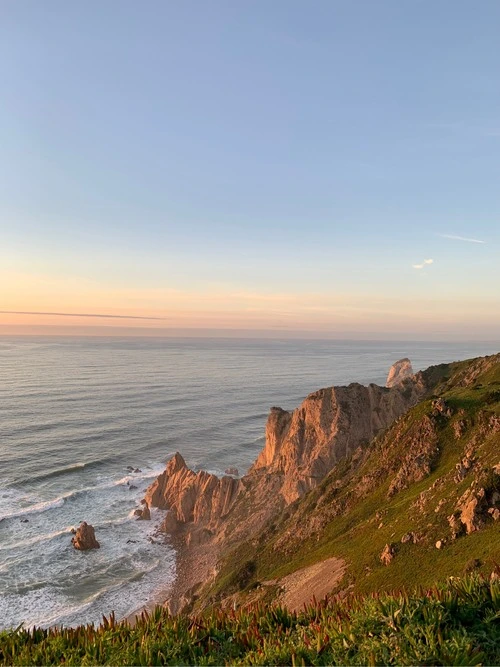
(117, 317)
(424, 263)
(460, 238)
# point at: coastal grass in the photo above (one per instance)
(456, 623)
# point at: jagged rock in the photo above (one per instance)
(303, 446)
(136, 470)
(472, 509)
(192, 497)
(401, 370)
(440, 407)
(457, 527)
(464, 466)
(132, 487)
(170, 523)
(198, 536)
(423, 450)
(440, 505)
(84, 538)
(143, 514)
(388, 553)
(231, 471)
(25, 520)
(495, 513)
(459, 428)
(439, 544)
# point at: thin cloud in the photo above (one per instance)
(100, 315)
(460, 238)
(424, 263)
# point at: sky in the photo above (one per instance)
(287, 168)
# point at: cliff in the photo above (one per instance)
(193, 498)
(301, 448)
(354, 476)
(304, 445)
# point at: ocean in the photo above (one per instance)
(75, 413)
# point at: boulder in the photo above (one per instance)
(232, 471)
(495, 513)
(84, 538)
(441, 407)
(144, 514)
(388, 553)
(399, 371)
(472, 509)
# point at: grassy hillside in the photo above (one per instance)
(455, 624)
(400, 491)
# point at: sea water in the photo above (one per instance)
(77, 413)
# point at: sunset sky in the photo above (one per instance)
(326, 168)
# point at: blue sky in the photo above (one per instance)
(241, 154)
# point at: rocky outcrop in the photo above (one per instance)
(304, 445)
(388, 553)
(399, 371)
(84, 538)
(301, 448)
(198, 498)
(143, 514)
(423, 450)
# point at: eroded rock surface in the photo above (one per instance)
(401, 370)
(305, 444)
(192, 497)
(84, 538)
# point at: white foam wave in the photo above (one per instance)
(46, 505)
(37, 539)
(36, 508)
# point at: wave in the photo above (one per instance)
(36, 508)
(46, 537)
(54, 503)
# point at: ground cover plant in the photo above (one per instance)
(456, 623)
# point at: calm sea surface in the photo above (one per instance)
(75, 412)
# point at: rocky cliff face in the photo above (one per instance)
(196, 498)
(399, 371)
(304, 445)
(301, 448)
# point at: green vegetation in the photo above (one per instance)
(457, 623)
(358, 516)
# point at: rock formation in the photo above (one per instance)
(399, 371)
(143, 514)
(305, 444)
(301, 448)
(376, 448)
(192, 497)
(84, 538)
(388, 553)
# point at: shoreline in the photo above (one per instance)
(194, 565)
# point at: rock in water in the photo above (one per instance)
(143, 514)
(401, 370)
(84, 538)
(231, 471)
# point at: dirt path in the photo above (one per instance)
(318, 580)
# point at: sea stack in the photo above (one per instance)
(401, 370)
(84, 538)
